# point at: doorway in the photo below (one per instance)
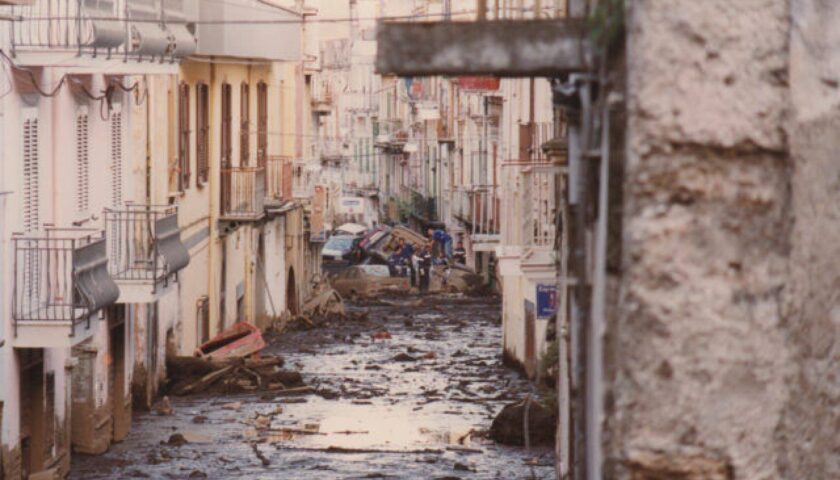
(33, 439)
(120, 410)
(291, 293)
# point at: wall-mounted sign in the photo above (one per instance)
(546, 300)
(483, 84)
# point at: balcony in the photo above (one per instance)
(485, 216)
(243, 194)
(303, 180)
(51, 32)
(61, 282)
(278, 179)
(321, 98)
(538, 219)
(144, 250)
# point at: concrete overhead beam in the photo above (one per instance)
(514, 48)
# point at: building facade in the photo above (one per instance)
(146, 204)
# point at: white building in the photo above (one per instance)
(67, 334)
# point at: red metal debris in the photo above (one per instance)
(383, 335)
(240, 340)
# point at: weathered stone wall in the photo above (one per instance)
(807, 437)
(699, 356)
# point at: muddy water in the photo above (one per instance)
(373, 416)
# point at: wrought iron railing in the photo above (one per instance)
(303, 180)
(60, 276)
(136, 243)
(136, 28)
(485, 214)
(243, 193)
(278, 177)
(539, 205)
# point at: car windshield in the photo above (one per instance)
(339, 243)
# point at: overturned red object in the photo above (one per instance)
(240, 340)
(383, 335)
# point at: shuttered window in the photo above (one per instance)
(184, 136)
(226, 126)
(116, 157)
(226, 148)
(31, 174)
(202, 133)
(262, 123)
(244, 125)
(82, 162)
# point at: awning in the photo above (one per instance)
(93, 283)
(168, 237)
(183, 42)
(148, 37)
(104, 33)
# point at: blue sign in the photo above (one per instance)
(546, 300)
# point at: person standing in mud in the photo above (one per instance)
(442, 239)
(425, 268)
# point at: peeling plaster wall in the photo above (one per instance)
(700, 359)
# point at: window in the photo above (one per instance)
(183, 137)
(82, 163)
(202, 133)
(31, 173)
(244, 125)
(226, 148)
(226, 126)
(262, 123)
(116, 157)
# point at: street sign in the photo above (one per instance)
(546, 300)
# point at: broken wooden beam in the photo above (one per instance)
(506, 48)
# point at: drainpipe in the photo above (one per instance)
(148, 166)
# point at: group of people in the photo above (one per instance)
(416, 261)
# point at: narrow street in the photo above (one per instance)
(415, 405)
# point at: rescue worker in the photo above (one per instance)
(425, 267)
(443, 239)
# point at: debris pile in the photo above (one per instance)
(509, 426)
(191, 375)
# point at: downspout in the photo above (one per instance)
(148, 163)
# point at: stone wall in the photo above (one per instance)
(718, 354)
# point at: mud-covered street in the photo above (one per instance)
(408, 391)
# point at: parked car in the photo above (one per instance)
(339, 252)
(368, 280)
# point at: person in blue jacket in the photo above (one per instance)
(443, 239)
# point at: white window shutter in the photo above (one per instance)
(31, 172)
(116, 157)
(82, 162)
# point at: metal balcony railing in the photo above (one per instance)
(539, 206)
(485, 206)
(278, 178)
(243, 193)
(131, 28)
(60, 276)
(303, 180)
(144, 242)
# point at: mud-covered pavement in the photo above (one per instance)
(410, 406)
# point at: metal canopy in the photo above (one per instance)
(519, 48)
(168, 236)
(93, 282)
